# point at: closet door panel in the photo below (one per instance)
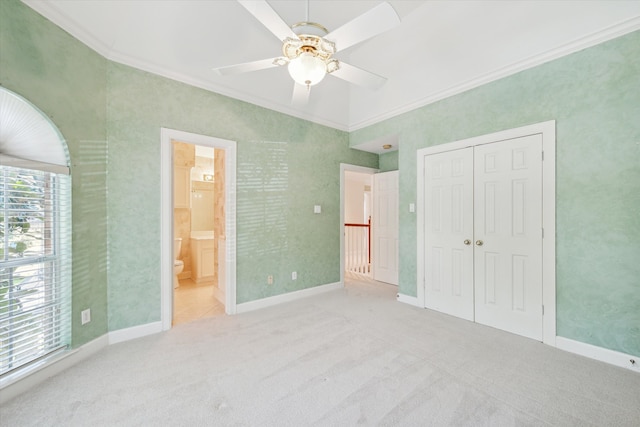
(448, 200)
(508, 235)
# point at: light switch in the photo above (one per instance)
(317, 209)
(412, 207)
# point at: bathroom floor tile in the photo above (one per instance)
(193, 301)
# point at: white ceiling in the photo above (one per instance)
(439, 49)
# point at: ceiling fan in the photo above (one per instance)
(308, 47)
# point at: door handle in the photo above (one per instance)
(467, 242)
(479, 243)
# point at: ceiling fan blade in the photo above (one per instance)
(300, 94)
(359, 76)
(246, 67)
(376, 21)
(264, 13)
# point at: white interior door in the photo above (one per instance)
(448, 198)
(385, 227)
(513, 222)
(508, 235)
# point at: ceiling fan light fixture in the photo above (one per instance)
(308, 47)
(291, 47)
(280, 61)
(332, 65)
(307, 69)
(309, 28)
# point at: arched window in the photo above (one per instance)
(35, 236)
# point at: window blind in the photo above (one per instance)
(16, 162)
(35, 265)
(28, 134)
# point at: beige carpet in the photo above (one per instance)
(349, 357)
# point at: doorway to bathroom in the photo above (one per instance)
(198, 231)
(198, 222)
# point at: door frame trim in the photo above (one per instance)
(166, 216)
(548, 131)
(353, 168)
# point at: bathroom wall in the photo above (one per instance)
(67, 81)
(202, 195)
(183, 156)
(219, 210)
(193, 218)
(204, 163)
(594, 97)
(202, 201)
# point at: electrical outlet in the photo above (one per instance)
(269, 280)
(86, 316)
(294, 275)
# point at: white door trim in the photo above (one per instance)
(343, 168)
(166, 216)
(548, 132)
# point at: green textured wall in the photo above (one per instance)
(284, 167)
(67, 81)
(594, 95)
(388, 161)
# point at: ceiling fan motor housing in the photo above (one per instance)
(310, 44)
(309, 54)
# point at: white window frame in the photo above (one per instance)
(30, 141)
(53, 311)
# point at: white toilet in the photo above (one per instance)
(178, 265)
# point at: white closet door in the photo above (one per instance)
(385, 227)
(448, 199)
(508, 235)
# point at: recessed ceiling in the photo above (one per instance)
(439, 49)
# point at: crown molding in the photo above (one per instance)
(610, 33)
(222, 90)
(51, 12)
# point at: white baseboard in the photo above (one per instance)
(408, 300)
(290, 296)
(134, 332)
(612, 357)
(25, 379)
(14, 385)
